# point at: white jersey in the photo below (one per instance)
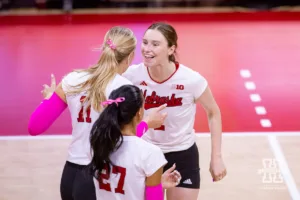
(179, 92)
(135, 160)
(83, 118)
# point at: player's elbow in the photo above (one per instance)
(34, 131)
(35, 128)
(213, 112)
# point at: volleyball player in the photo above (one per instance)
(163, 80)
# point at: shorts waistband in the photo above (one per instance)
(74, 165)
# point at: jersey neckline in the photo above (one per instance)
(177, 67)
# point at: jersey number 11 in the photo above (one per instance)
(88, 113)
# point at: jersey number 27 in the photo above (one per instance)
(105, 176)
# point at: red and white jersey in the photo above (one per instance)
(135, 160)
(83, 117)
(179, 91)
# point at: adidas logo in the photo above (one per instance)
(188, 181)
(143, 83)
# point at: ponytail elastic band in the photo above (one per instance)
(116, 101)
(111, 44)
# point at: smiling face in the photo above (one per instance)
(159, 45)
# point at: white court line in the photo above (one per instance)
(284, 168)
(200, 134)
(252, 134)
(40, 137)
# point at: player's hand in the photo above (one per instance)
(49, 90)
(217, 168)
(155, 119)
(170, 178)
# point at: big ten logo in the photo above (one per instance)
(178, 87)
(270, 171)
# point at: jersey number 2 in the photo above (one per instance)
(88, 113)
(105, 176)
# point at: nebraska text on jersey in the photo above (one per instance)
(155, 100)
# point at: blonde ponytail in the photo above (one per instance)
(118, 44)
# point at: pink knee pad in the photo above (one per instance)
(45, 114)
(154, 192)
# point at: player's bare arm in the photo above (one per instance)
(154, 190)
(217, 167)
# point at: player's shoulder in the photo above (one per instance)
(191, 74)
(75, 76)
(115, 83)
(142, 147)
(121, 80)
(139, 66)
(134, 69)
(187, 70)
(135, 72)
(148, 147)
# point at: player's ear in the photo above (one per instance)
(171, 50)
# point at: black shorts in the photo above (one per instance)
(187, 164)
(77, 183)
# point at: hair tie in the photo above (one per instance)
(116, 101)
(111, 44)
